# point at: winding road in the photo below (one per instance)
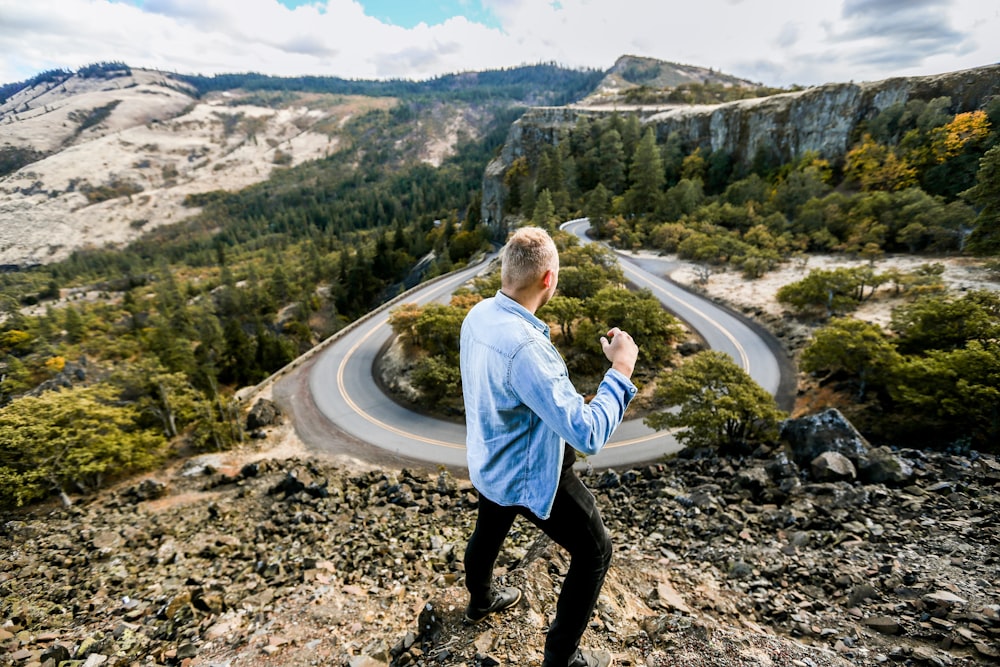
(335, 392)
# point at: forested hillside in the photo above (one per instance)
(918, 178)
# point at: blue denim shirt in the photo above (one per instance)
(520, 406)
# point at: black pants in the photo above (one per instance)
(575, 524)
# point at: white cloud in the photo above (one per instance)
(777, 42)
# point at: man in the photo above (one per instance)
(524, 420)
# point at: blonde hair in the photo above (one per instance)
(529, 253)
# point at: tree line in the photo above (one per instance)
(546, 83)
(917, 179)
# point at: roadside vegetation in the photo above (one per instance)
(918, 180)
(592, 298)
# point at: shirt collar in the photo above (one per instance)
(508, 304)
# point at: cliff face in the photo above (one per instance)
(820, 119)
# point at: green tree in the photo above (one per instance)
(434, 328)
(438, 380)
(859, 349)
(597, 207)
(611, 162)
(944, 323)
(585, 269)
(641, 314)
(693, 167)
(719, 404)
(682, 199)
(73, 323)
(646, 176)
(985, 194)
(545, 213)
(71, 440)
(167, 398)
(15, 341)
(753, 188)
(808, 181)
(552, 177)
(832, 292)
(950, 395)
(564, 310)
(516, 181)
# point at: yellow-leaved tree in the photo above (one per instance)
(70, 441)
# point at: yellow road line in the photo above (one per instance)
(364, 415)
(744, 358)
(341, 386)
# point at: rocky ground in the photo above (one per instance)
(794, 557)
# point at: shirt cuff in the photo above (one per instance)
(623, 382)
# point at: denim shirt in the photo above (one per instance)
(520, 406)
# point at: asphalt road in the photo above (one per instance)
(335, 394)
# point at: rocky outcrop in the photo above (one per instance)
(827, 431)
(833, 467)
(820, 119)
(835, 450)
(718, 562)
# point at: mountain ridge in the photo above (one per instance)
(97, 157)
(777, 128)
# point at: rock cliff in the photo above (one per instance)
(822, 119)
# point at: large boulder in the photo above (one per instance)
(264, 413)
(827, 431)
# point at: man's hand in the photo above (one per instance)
(620, 350)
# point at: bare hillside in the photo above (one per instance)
(114, 157)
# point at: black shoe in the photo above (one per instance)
(504, 598)
(590, 658)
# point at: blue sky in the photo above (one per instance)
(410, 14)
(775, 42)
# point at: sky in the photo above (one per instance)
(773, 42)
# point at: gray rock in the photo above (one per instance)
(186, 650)
(300, 479)
(943, 599)
(95, 660)
(689, 347)
(753, 479)
(832, 467)
(780, 468)
(56, 653)
(263, 413)
(882, 466)
(861, 593)
(147, 489)
(609, 480)
(446, 484)
(365, 661)
(883, 624)
(827, 431)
